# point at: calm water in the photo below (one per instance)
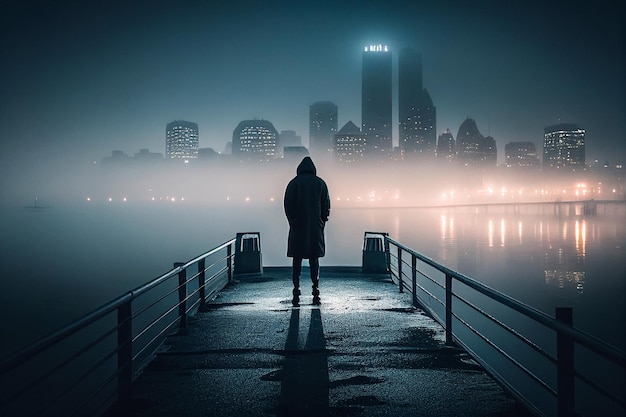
(60, 263)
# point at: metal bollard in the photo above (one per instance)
(375, 253)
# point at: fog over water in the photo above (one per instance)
(103, 230)
(220, 180)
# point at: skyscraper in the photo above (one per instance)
(473, 148)
(564, 146)
(322, 128)
(446, 148)
(349, 144)
(416, 112)
(287, 138)
(255, 140)
(521, 154)
(376, 101)
(181, 140)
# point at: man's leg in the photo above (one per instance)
(314, 264)
(297, 268)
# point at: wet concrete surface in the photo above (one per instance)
(364, 352)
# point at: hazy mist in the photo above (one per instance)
(225, 182)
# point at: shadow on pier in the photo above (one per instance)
(364, 351)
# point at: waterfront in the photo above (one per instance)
(62, 262)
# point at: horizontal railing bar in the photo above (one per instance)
(427, 308)
(601, 390)
(154, 339)
(22, 356)
(209, 253)
(220, 261)
(45, 343)
(433, 296)
(221, 271)
(410, 266)
(590, 342)
(193, 277)
(514, 332)
(61, 365)
(158, 319)
(98, 389)
(506, 356)
(82, 376)
(141, 289)
(154, 302)
(197, 290)
(174, 290)
(192, 306)
(184, 300)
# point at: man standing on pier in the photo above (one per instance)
(307, 207)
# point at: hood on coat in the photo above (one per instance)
(306, 166)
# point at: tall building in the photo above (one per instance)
(564, 146)
(255, 140)
(416, 113)
(376, 101)
(287, 138)
(474, 149)
(489, 151)
(322, 128)
(181, 140)
(295, 153)
(350, 144)
(446, 148)
(521, 154)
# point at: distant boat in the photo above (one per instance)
(36, 206)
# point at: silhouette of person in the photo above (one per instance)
(307, 207)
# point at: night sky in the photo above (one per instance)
(80, 79)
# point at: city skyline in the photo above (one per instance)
(86, 79)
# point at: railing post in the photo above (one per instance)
(229, 263)
(201, 281)
(565, 365)
(182, 294)
(414, 278)
(387, 253)
(449, 340)
(400, 284)
(125, 351)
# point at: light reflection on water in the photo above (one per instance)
(63, 262)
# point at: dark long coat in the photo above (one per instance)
(307, 207)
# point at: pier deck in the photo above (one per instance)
(364, 351)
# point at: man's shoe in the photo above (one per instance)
(296, 298)
(316, 300)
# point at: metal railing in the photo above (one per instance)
(546, 363)
(90, 364)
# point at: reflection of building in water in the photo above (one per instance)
(545, 249)
(564, 265)
(564, 279)
(447, 240)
